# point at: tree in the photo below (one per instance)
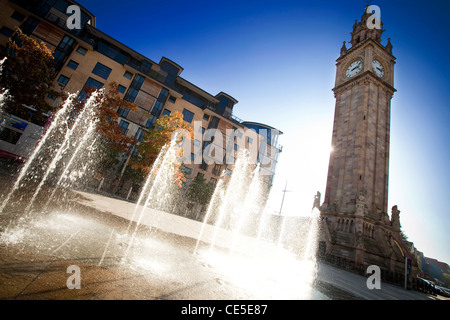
(200, 191)
(156, 139)
(28, 76)
(112, 140)
(446, 279)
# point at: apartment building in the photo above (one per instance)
(87, 57)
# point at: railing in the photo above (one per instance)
(210, 107)
(236, 119)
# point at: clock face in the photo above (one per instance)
(354, 68)
(378, 68)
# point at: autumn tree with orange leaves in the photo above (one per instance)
(28, 76)
(112, 140)
(108, 127)
(156, 139)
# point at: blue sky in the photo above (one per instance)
(277, 58)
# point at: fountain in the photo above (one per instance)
(3, 94)
(239, 239)
(65, 138)
(239, 249)
(158, 186)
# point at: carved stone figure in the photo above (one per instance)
(395, 217)
(316, 203)
(360, 205)
(343, 49)
(359, 234)
(389, 46)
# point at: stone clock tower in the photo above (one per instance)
(357, 230)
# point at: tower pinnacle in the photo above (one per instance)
(361, 30)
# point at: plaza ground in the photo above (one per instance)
(161, 264)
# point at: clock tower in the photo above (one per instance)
(359, 163)
(356, 228)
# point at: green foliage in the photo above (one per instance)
(403, 236)
(107, 155)
(134, 175)
(446, 279)
(200, 191)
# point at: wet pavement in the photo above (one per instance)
(156, 261)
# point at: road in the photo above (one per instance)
(355, 284)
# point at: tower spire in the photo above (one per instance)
(361, 30)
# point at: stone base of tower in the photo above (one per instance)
(378, 244)
(359, 257)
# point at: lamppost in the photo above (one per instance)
(284, 194)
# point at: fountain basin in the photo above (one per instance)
(160, 264)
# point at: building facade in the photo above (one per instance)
(356, 228)
(86, 57)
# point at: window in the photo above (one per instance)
(206, 117)
(6, 31)
(131, 95)
(224, 104)
(172, 99)
(62, 51)
(132, 62)
(201, 130)
(52, 97)
(63, 80)
(29, 25)
(157, 107)
(228, 172)
(102, 71)
(73, 65)
(55, 11)
(166, 112)
(196, 142)
(217, 170)
(213, 181)
(138, 81)
(172, 72)
(159, 104)
(214, 123)
(82, 50)
(123, 112)
(9, 135)
(204, 166)
(90, 84)
(128, 75)
(150, 122)
(18, 16)
(200, 176)
(140, 134)
(145, 67)
(66, 43)
(188, 115)
(111, 52)
(121, 88)
(124, 125)
(134, 89)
